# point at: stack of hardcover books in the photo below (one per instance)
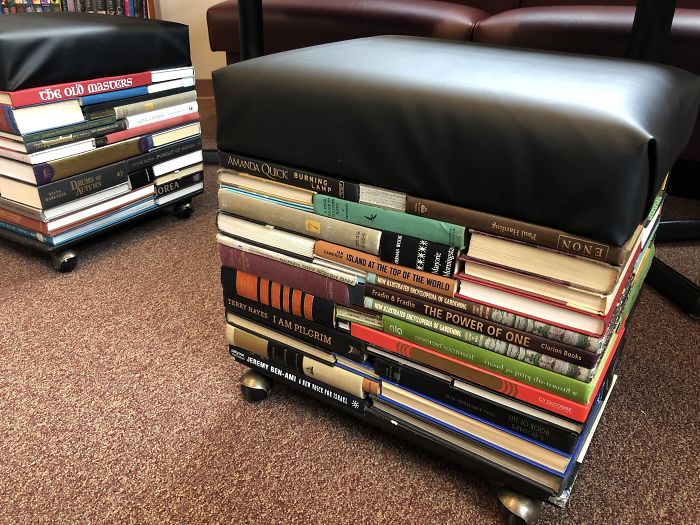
(78, 157)
(494, 337)
(87, 144)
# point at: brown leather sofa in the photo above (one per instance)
(565, 25)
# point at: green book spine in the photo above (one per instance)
(66, 130)
(390, 220)
(484, 341)
(639, 281)
(538, 377)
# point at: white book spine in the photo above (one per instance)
(157, 115)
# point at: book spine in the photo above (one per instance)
(352, 281)
(64, 6)
(525, 324)
(517, 230)
(483, 342)
(110, 96)
(57, 92)
(59, 169)
(159, 115)
(299, 221)
(463, 320)
(390, 220)
(23, 231)
(320, 184)
(164, 153)
(11, 217)
(279, 296)
(322, 391)
(305, 330)
(370, 263)
(7, 121)
(529, 374)
(99, 131)
(285, 355)
(82, 185)
(479, 376)
(150, 104)
(423, 255)
(124, 133)
(282, 273)
(67, 130)
(482, 407)
(166, 188)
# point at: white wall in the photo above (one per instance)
(193, 13)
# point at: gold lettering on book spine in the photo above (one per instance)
(583, 247)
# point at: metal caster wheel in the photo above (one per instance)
(255, 387)
(518, 509)
(183, 210)
(64, 261)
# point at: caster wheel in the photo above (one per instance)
(64, 261)
(255, 387)
(183, 210)
(518, 509)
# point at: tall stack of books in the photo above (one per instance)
(78, 157)
(487, 334)
(447, 244)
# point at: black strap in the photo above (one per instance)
(650, 30)
(251, 28)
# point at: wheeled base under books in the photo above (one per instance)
(64, 259)
(516, 508)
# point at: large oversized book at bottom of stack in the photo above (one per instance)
(126, 146)
(496, 352)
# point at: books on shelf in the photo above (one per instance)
(133, 8)
(497, 338)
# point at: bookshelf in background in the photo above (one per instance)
(134, 8)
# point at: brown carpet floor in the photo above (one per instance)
(120, 404)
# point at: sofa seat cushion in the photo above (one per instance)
(291, 24)
(601, 30)
(573, 142)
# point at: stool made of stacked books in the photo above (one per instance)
(445, 239)
(92, 141)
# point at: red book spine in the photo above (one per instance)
(59, 92)
(285, 274)
(118, 136)
(485, 378)
(7, 123)
(22, 221)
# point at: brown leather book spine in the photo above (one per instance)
(62, 168)
(518, 230)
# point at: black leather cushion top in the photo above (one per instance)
(40, 49)
(576, 143)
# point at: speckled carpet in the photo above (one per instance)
(120, 404)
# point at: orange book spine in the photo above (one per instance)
(370, 263)
(274, 294)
